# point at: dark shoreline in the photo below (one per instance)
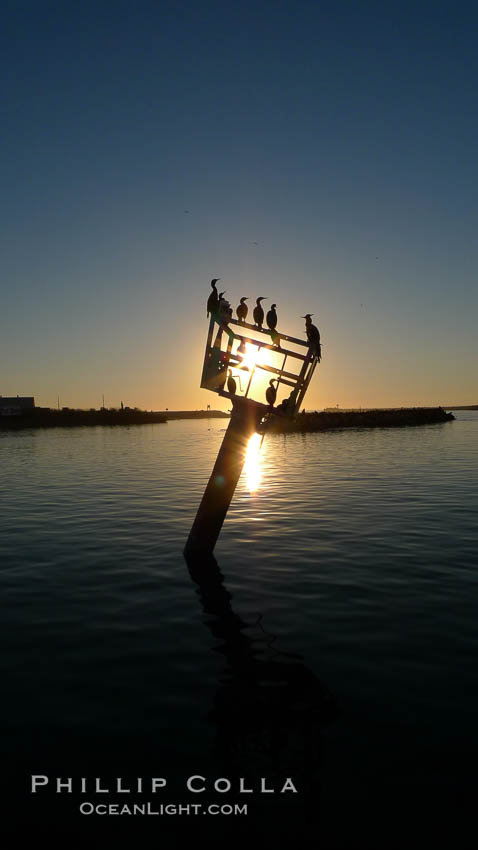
(381, 418)
(38, 418)
(196, 414)
(305, 422)
(461, 406)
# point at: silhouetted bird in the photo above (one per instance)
(288, 404)
(313, 334)
(242, 309)
(271, 392)
(271, 317)
(213, 300)
(224, 308)
(258, 312)
(231, 384)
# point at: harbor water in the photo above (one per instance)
(334, 641)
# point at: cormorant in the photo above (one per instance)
(271, 317)
(231, 384)
(313, 334)
(271, 393)
(224, 308)
(213, 300)
(242, 310)
(287, 405)
(258, 312)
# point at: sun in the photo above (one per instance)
(249, 359)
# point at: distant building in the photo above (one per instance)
(15, 405)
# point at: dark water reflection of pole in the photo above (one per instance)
(269, 712)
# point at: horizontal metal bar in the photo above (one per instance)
(255, 404)
(234, 359)
(285, 381)
(272, 347)
(278, 372)
(288, 338)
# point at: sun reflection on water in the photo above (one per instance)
(252, 465)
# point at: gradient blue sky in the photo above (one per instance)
(341, 137)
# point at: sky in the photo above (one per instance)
(147, 146)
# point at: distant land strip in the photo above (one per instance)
(38, 417)
(379, 418)
(328, 419)
(460, 406)
(196, 414)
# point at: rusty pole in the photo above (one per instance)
(244, 422)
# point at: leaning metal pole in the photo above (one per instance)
(218, 494)
(248, 415)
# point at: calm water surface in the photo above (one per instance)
(351, 567)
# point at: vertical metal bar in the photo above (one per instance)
(305, 366)
(252, 371)
(306, 378)
(210, 332)
(229, 347)
(207, 353)
(282, 368)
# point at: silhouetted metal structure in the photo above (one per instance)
(251, 351)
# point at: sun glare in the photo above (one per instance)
(252, 463)
(250, 357)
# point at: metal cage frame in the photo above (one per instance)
(217, 361)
